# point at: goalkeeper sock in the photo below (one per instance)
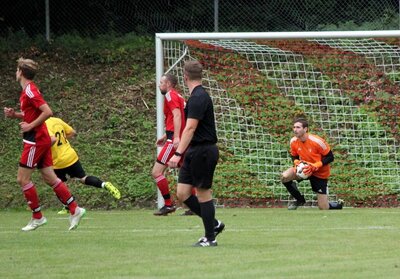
(292, 189)
(335, 206)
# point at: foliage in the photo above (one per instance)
(93, 17)
(388, 20)
(105, 89)
(265, 104)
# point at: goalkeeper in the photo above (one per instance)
(313, 150)
(66, 160)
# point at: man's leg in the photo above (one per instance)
(163, 186)
(162, 182)
(287, 178)
(64, 195)
(24, 180)
(207, 212)
(184, 194)
(59, 187)
(324, 204)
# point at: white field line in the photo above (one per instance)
(91, 229)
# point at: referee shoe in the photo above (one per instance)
(219, 228)
(204, 242)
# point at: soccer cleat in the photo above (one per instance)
(204, 242)
(113, 190)
(63, 211)
(188, 213)
(340, 203)
(76, 218)
(165, 210)
(219, 228)
(34, 224)
(295, 205)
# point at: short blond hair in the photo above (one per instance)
(28, 67)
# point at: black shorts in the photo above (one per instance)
(319, 185)
(75, 170)
(199, 166)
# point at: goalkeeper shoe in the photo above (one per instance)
(219, 228)
(75, 219)
(295, 205)
(63, 211)
(204, 242)
(34, 224)
(165, 210)
(340, 203)
(113, 190)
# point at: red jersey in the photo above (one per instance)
(312, 150)
(172, 101)
(30, 100)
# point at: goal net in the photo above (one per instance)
(345, 83)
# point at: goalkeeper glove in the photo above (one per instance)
(296, 162)
(312, 167)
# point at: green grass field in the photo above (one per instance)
(257, 243)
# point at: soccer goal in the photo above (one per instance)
(346, 83)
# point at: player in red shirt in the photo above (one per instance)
(174, 105)
(317, 153)
(37, 148)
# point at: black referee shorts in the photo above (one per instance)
(199, 166)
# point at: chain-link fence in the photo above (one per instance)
(93, 17)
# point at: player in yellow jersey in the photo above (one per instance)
(66, 160)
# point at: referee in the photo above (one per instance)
(198, 144)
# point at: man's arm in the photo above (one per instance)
(46, 113)
(186, 138)
(312, 167)
(177, 125)
(328, 158)
(71, 134)
(187, 134)
(11, 113)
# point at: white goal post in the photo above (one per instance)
(284, 69)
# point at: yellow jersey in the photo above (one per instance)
(62, 152)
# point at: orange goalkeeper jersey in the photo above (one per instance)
(312, 150)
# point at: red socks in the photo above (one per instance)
(32, 198)
(162, 184)
(63, 194)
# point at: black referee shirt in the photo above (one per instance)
(200, 107)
